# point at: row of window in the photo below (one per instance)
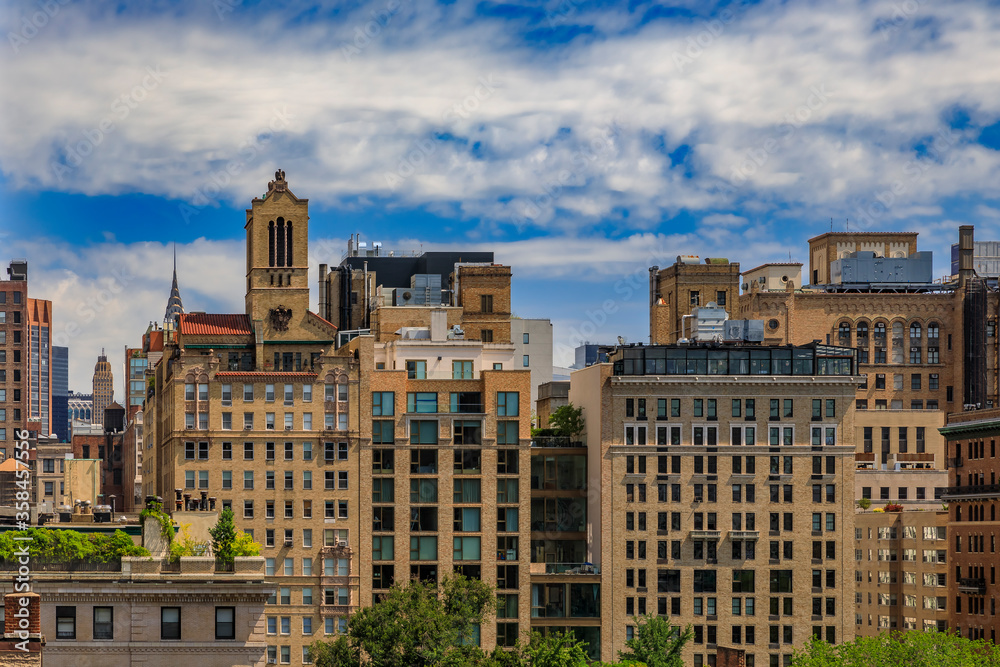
(332, 451)
(466, 461)
(331, 392)
(170, 623)
(909, 555)
(929, 533)
(930, 580)
(778, 465)
(331, 421)
(333, 480)
(707, 435)
(425, 490)
(902, 492)
(745, 408)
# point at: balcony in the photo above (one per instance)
(971, 491)
(705, 534)
(555, 441)
(572, 568)
(974, 586)
(744, 534)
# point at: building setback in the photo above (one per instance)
(721, 498)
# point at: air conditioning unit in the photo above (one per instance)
(329, 428)
(270, 427)
(288, 543)
(697, 499)
(272, 661)
(341, 543)
(288, 428)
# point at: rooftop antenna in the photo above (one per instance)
(848, 224)
(831, 224)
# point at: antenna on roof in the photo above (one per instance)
(831, 224)
(848, 224)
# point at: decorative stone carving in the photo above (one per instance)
(280, 317)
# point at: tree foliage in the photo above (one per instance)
(69, 546)
(416, 625)
(186, 545)
(224, 536)
(865, 503)
(567, 420)
(657, 642)
(913, 649)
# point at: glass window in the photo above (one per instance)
(170, 622)
(225, 623)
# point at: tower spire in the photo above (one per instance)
(175, 306)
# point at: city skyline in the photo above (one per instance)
(580, 142)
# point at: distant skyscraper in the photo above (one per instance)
(39, 318)
(104, 387)
(60, 393)
(174, 305)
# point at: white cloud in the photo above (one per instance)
(828, 102)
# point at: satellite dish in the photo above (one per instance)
(621, 340)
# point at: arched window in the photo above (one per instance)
(288, 245)
(933, 331)
(280, 241)
(880, 329)
(914, 332)
(897, 329)
(844, 331)
(270, 243)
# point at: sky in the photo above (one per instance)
(582, 142)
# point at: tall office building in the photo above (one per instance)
(60, 393)
(104, 387)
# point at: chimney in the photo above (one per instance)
(22, 616)
(322, 293)
(439, 324)
(966, 241)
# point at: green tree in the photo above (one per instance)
(416, 625)
(657, 642)
(567, 420)
(865, 503)
(224, 536)
(913, 649)
(556, 649)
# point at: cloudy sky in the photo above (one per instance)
(580, 141)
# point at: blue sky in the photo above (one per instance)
(580, 141)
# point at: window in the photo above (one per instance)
(507, 403)
(225, 623)
(104, 626)
(383, 403)
(170, 622)
(416, 370)
(65, 622)
(461, 370)
(486, 303)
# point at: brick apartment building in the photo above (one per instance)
(721, 497)
(901, 576)
(972, 502)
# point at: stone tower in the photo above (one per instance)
(277, 229)
(104, 387)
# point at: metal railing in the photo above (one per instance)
(572, 568)
(72, 566)
(555, 441)
(976, 490)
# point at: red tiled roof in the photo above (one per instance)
(203, 324)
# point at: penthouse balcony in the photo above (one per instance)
(555, 441)
(974, 586)
(565, 568)
(975, 491)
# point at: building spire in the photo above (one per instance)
(175, 307)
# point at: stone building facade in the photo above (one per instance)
(145, 611)
(716, 498)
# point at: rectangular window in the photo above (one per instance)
(225, 623)
(508, 403)
(65, 622)
(170, 622)
(383, 403)
(104, 623)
